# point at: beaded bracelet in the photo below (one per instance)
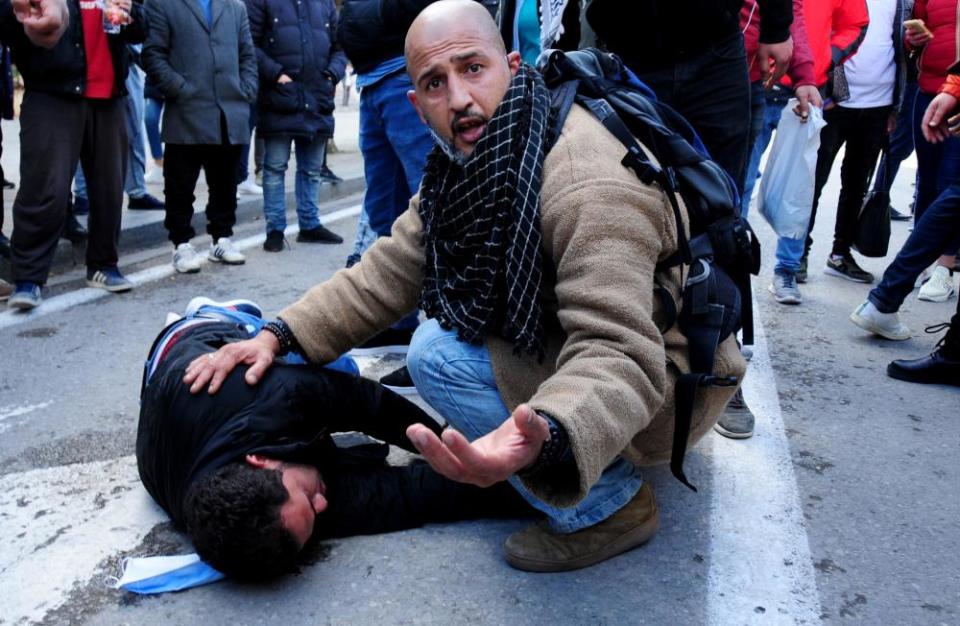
(279, 329)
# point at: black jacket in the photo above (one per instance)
(652, 34)
(372, 31)
(296, 38)
(62, 69)
(289, 415)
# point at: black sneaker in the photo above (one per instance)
(73, 231)
(390, 341)
(897, 216)
(320, 234)
(274, 241)
(845, 267)
(81, 206)
(145, 203)
(801, 274)
(399, 381)
(327, 177)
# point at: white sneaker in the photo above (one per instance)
(154, 175)
(887, 325)
(223, 251)
(249, 187)
(940, 286)
(185, 259)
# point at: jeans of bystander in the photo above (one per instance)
(307, 186)
(936, 230)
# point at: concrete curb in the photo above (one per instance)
(148, 233)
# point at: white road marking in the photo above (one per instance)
(7, 412)
(759, 552)
(59, 523)
(89, 294)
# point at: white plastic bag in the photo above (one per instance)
(786, 187)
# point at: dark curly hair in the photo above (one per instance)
(233, 517)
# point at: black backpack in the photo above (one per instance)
(721, 251)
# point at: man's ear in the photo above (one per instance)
(513, 61)
(412, 97)
(261, 462)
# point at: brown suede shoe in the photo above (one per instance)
(539, 549)
(5, 290)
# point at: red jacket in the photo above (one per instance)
(951, 86)
(835, 29)
(941, 17)
(800, 71)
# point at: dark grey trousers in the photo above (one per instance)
(56, 132)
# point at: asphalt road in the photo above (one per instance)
(843, 508)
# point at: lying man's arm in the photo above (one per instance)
(370, 500)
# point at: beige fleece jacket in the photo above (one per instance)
(609, 372)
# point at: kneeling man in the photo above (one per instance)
(252, 473)
(535, 260)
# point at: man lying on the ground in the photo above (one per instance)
(536, 267)
(252, 474)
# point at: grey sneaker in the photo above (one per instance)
(737, 420)
(784, 289)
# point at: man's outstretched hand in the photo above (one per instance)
(490, 459)
(214, 367)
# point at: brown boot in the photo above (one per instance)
(539, 549)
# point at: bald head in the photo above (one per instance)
(460, 71)
(441, 19)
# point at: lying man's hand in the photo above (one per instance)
(490, 459)
(214, 367)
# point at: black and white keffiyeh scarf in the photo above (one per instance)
(481, 224)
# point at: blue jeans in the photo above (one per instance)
(938, 164)
(938, 229)
(365, 235)
(134, 185)
(307, 186)
(151, 119)
(773, 103)
(457, 380)
(394, 143)
(901, 142)
(243, 167)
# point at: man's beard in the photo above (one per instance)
(456, 157)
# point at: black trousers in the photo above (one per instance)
(181, 169)
(56, 132)
(865, 132)
(712, 91)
